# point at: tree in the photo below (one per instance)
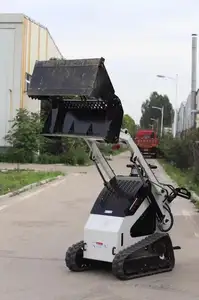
(148, 112)
(129, 124)
(24, 135)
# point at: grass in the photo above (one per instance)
(182, 178)
(12, 180)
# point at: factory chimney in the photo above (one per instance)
(194, 76)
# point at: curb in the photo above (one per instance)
(31, 186)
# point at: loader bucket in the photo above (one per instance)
(81, 98)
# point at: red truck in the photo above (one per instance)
(147, 141)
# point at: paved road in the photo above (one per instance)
(37, 227)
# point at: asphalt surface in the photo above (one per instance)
(37, 227)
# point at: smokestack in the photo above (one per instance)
(194, 75)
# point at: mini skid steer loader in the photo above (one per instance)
(129, 223)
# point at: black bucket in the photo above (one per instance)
(81, 98)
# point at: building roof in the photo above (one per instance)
(18, 18)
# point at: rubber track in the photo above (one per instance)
(118, 262)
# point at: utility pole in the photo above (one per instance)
(175, 79)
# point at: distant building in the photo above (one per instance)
(181, 119)
(23, 41)
(185, 120)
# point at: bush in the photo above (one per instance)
(183, 152)
(16, 156)
(71, 157)
(82, 157)
(68, 158)
(106, 149)
(26, 142)
(177, 152)
(46, 158)
(24, 136)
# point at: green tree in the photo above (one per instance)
(24, 135)
(148, 112)
(129, 124)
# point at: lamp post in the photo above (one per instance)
(162, 117)
(175, 79)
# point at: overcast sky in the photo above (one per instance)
(138, 39)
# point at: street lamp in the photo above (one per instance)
(176, 96)
(162, 117)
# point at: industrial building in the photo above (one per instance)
(185, 117)
(23, 41)
(181, 119)
(188, 113)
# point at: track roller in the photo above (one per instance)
(150, 256)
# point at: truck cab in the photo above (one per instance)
(147, 141)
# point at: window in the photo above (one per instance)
(146, 224)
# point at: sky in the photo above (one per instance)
(138, 39)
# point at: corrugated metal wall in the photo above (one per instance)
(23, 41)
(180, 119)
(38, 45)
(10, 69)
(197, 108)
(187, 117)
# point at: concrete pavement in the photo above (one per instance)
(38, 226)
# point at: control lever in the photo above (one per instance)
(184, 193)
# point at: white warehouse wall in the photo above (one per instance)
(10, 69)
(23, 41)
(197, 108)
(187, 118)
(181, 119)
(38, 45)
(188, 115)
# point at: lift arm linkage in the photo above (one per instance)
(125, 137)
(158, 192)
(80, 101)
